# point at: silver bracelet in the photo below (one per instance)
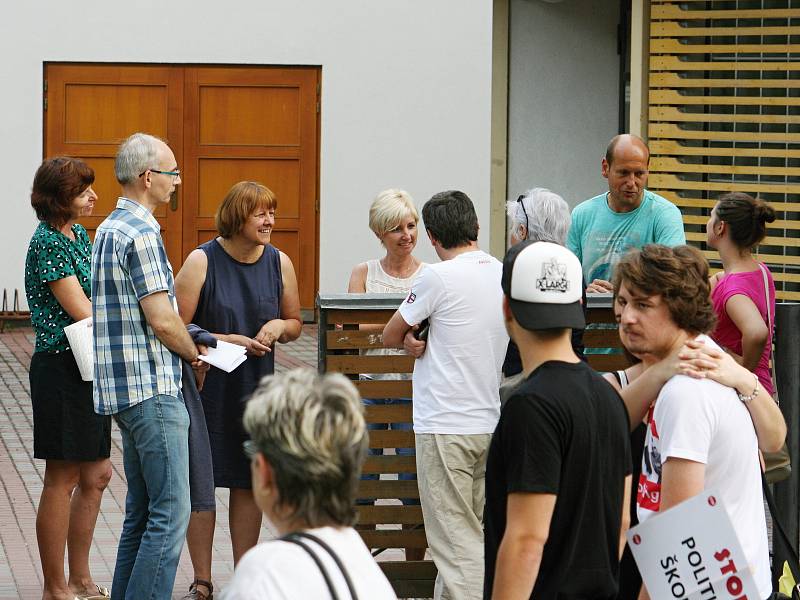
(747, 398)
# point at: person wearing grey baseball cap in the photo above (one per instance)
(558, 472)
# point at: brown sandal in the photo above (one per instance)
(195, 594)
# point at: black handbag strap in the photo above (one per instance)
(298, 538)
(781, 539)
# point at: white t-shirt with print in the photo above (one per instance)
(456, 380)
(703, 421)
(284, 571)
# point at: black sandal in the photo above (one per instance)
(195, 594)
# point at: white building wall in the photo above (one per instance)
(563, 95)
(405, 95)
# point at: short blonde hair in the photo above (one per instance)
(389, 209)
(311, 430)
(241, 201)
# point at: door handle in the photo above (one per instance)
(173, 201)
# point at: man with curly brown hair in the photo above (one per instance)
(700, 435)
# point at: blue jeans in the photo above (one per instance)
(155, 448)
(398, 451)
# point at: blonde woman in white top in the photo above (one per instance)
(393, 219)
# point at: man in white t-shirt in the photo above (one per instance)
(455, 387)
(700, 435)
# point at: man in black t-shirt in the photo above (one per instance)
(558, 472)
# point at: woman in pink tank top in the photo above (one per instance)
(744, 293)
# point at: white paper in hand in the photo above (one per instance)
(225, 356)
(81, 342)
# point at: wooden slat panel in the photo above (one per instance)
(793, 296)
(408, 569)
(378, 317)
(413, 588)
(348, 339)
(392, 438)
(675, 29)
(673, 165)
(673, 113)
(370, 364)
(384, 389)
(601, 338)
(674, 12)
(394, 538)
(607, 362)
(768, 241)
(673, 147)
(386, 488)
(673, 80)
(390, 514)
(770, 259)
(673, 97)
(671, 181)
(600, 315)
(389, 464)
(709, 203)
(669, 46)
(416, 580)
(387, 413)
(777, 224)
(674, 63)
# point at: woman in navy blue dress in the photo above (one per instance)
(244, 291)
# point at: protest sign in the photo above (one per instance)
(691, 552)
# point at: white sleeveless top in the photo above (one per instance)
(380, 282)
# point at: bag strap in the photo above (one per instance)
(779, 536)
(298, 538)
(770, 338)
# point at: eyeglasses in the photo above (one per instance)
(524, 212)
(250, 449)
(175, 173)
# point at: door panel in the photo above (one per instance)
(224, 124)
(264, 115)
(217, 175)
(92, 108)
(256, 124)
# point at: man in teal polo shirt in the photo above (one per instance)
(627, 216)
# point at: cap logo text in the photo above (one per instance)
(554, 277)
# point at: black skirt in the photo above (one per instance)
(65, 426)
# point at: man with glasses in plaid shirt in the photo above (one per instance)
(139, 343)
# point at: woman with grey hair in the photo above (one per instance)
(308, 442)
(538, 215)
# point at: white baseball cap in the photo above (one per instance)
(544, 286)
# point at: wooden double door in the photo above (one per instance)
(224, 124)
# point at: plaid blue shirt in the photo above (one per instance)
(128, 263)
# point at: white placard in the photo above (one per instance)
(691, 552)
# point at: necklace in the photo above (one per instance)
(403, 273)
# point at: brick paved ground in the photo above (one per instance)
(21, 481)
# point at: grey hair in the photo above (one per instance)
(311, 430)
(135, 155)
(548, 217)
